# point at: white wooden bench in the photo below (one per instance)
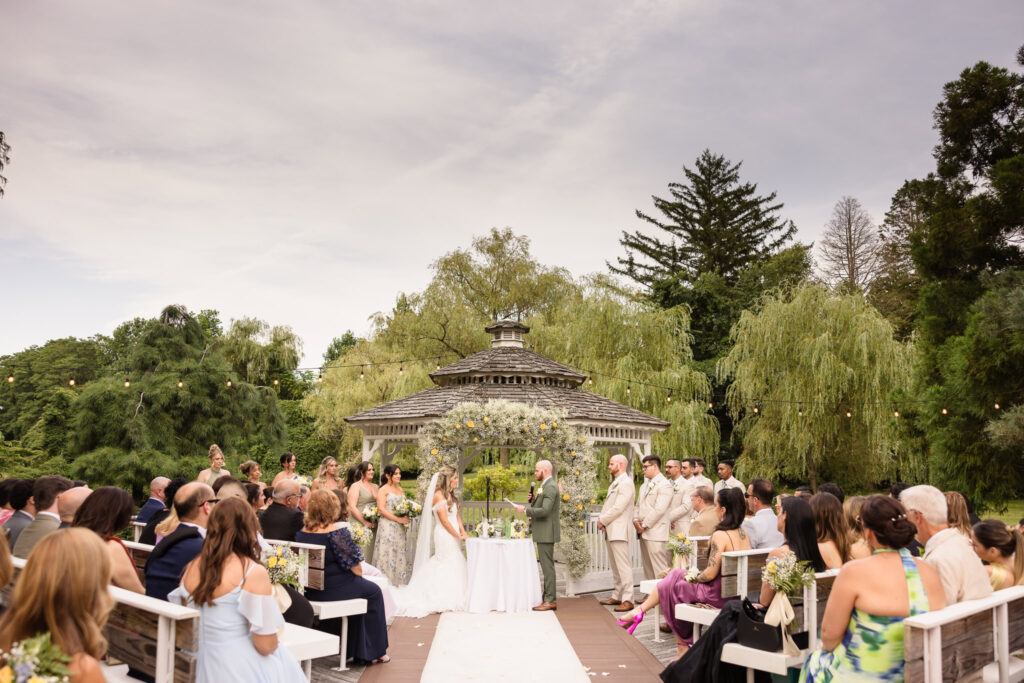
(698, 558)
(968, 640)
(137, 529)
(809, 609)
(741, 575)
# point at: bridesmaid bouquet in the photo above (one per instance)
(370, 513)
(407, 507)
(679, 544)
(35, 660)
(360, 534)
(786, 575)
(284, 566)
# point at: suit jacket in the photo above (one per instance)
(962, 573)
(680, 510)
(618, 508)
(148, 535)
(652, 508)
(705, 523)
(543, 513)
(148, 508)
(30, 535)
(281, 522)
(167, 561)
(14, 525)
(731, 482)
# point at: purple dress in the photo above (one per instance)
(674, 590)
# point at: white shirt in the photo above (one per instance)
(763, 529)
(731, 482)
(202, 530)
(50, 514)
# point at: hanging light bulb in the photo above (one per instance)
(895, 412)
(361, 373)
(229, 383)
(997, 405)
(668, 399)
(710, 405)
(437, 366)
(590, 381)
(849, 414)
(276, 382)
(180, 384)
(800, 409)
(756, 411)
(945, 412)
(320, 377)
(401, 370)
(10, 379)
(629, 388)
(127, 383)
(71, 382)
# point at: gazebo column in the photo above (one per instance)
(370, 446)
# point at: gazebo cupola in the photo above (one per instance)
(507, 333)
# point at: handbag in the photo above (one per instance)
(751, 631)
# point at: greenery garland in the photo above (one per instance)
(520, 425)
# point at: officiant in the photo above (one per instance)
(543, 512)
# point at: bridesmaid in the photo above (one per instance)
(287, 469)
(252, 473)
(389, 553)
(327, 477)
(361, 492)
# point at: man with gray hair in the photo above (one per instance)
(281, 520)
(614, 521)
(947, 550)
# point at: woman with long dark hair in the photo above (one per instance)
(796, 522)
(108, 512)
(389, 549)
(239, 618)
(287, 473)
(830, 523)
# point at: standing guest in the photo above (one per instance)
(680, 510)
(859, 548)
(862, 629)
(651, 518)
(796, 524)
(282, 519)
(390, 555)
(238, 617)
(362, 492)
(699, 478)
(804, 492)
(24, 509)
(833, 537)
(156, 500)
(763, 528)
(254, 496)
(108, 512)
(1001, 547)
(193, 504)
(251, 471)
(327, 477)
(956, 513)
(707, 516)
(833, 488)
(343, 580)
(961, 571)
(543, 514)
(73, 609)
(149, 533)
(6, 509)
(674, 589)
(69, 502)
(726, 478)
(614, 521)
(45, 492)
(216, 469)
(287, 472)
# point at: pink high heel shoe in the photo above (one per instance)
(632, 626)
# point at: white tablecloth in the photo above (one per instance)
(503, 575)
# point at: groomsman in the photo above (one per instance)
(697, 465)
(651, 520)
(725, 478)
(614, 522)
(680, 510)
(544, 523)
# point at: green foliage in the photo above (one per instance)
(26, 463)
(339, 346)
(133, 470)
(803, 361)
(304, 440)
(504, 482)
(895, 290)
(5, 159)
(258, 353)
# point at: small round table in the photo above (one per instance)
(503, 575)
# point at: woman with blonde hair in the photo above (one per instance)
(1001, 547)
(327, 477)
(63, 591)
(238, 617)
(859, 548)
(216, 469)
(956, 512)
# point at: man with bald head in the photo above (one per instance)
(69, 502)
(615, 522)
(194, 502)
(543, 513)
(282, 520)
(156, 499)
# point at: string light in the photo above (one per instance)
(710, 405)
(181, 384)
(127, 383)
(361, 375)
(945, 412)
(401, 370)
(71, 382)
(849, 414)
(800, 409)
(895, 412)
(229, 383)
(997, 405)
(629, 388)
(668, 399)
(320, 377)
(10, 379)
(590, 381)
(756, 411)
(276, 382)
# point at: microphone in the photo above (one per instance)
(532, 484)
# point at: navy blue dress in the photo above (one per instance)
(367, 633)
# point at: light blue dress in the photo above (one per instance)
(226, 652)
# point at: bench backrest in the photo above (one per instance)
(137, 529)
(960, 640)
(809, 606)
(741, 571)
(139, 553)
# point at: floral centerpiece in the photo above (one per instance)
(284, 566)
(370, 513)
(518, 528)
(35, 660)
(407, 507)
(488, 528)
(360, 534)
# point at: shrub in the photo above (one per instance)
(504, 482)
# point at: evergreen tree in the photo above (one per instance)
(895, 289)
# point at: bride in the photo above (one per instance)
(438, 582)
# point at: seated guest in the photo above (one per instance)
(829, 520)
(6, 510)
(156, 499)
(193, 504)
(281, 520)
(45, 492)
(674, 589)
(69, 502)
(254, 496)
(862, 629)
(1001, 547)
(835, 489)
(238, 616)
(1020, 525)
(704, 523)
(956, 513)
(851, 511)
(796, 522)
(343, 580)
(962, 573)
(6, 567)
(73, 609)
(268, 497)
(229, 487)
(149, 534)
(764, 527)
(108, 512)
(24, 509)
(304, 492)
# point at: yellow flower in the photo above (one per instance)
(543, 426)
(593, 501)
(487, 419)
(439, 458)
(565, 497)
(444, 438)
(579, 507)
(542, 438)
(6, 675)
(554, 424)
(581, 523)
(433, 451)
(581, 439)
(469, 424)
(280, 551)
(36, 679)
(272, 562)
(458, 426)
(572, 453)
(577, 473)
(680, 536)
(475, 439)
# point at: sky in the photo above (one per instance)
(305, 162)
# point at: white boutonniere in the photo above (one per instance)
(540, 492)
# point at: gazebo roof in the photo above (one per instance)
(510, 372)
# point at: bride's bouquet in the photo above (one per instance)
(488, 528)
(284, 566)
(407, 507)
(35, 659)
(370, 513)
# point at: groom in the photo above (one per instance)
(544, 513)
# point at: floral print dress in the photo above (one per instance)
(389, 554)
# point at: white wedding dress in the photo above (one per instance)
(439, 581)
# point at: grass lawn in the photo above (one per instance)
(1014, 512)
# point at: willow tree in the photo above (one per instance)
(813, 373)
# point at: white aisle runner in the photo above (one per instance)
(496, 646)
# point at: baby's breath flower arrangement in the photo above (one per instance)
(679, 544)
(504, 423)
(692, 575)
(304, 480)
(518, 528)
(370, 513)
(407, 507)
(360, 534)
(786, 575)
(487, 528)
(284, 566)
(35, 660)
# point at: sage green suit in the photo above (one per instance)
(543, 514)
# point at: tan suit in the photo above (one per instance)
(705, 523)
(680, 510)
(615, 516)
(652, 511)
(962, 573)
